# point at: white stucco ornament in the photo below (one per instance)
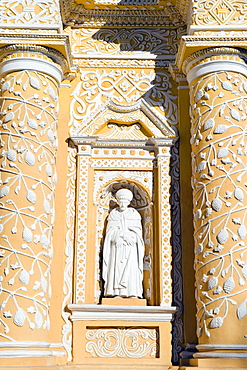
(123, 250)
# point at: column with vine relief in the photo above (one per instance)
(29, 107)
(218, 90)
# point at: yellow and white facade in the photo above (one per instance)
(98, 95)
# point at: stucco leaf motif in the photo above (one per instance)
(220, 129)
(241, 310)
(235, 114)
(209, 123)
(29, 158)
(9, 116)
(216, 204)
(34, 82)
(229, 285)
(216, 322)
(223, 152)
(24, 277)
(19, 317)
(212, 282)
(227, 85)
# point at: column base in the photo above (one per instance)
(214, 364)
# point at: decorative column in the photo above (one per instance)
(218, 89)
(29, 107)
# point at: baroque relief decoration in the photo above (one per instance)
(219, 102)
(163, 163)
(220, 12)
(69, 251)
(29, 138)
(120, 41)
(122, 87)
(122, 63)
(81, 236)
(30, 13)
(122, 342)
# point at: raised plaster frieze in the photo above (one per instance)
(123, 342)
(165, 215)
(69, 251)
(28, 141)
(219, 12)
(120, 163)
(120, 41)
(81, 232)
(29, 13)
(234, 34)
(123, 87)
(121, 63)
(219, 107)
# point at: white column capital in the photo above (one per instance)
(215, 60)
(33, 58)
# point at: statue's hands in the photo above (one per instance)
(128, 239)
(119, 242)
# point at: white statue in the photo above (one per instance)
(123, 250)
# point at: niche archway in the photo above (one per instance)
(142, 201)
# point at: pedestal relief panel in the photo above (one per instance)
(122, 342)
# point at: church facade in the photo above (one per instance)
(103, 95)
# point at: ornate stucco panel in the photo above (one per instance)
(219, 15)
(30, 14)
(125, 87)
(124, 41)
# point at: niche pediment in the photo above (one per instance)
(115, 122)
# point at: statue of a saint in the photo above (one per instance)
(123, 250)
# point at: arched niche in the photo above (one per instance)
(105, 201)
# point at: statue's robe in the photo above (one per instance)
(123, 260)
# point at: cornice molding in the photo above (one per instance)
(123, 313)
(74, 14)
(191, 44)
